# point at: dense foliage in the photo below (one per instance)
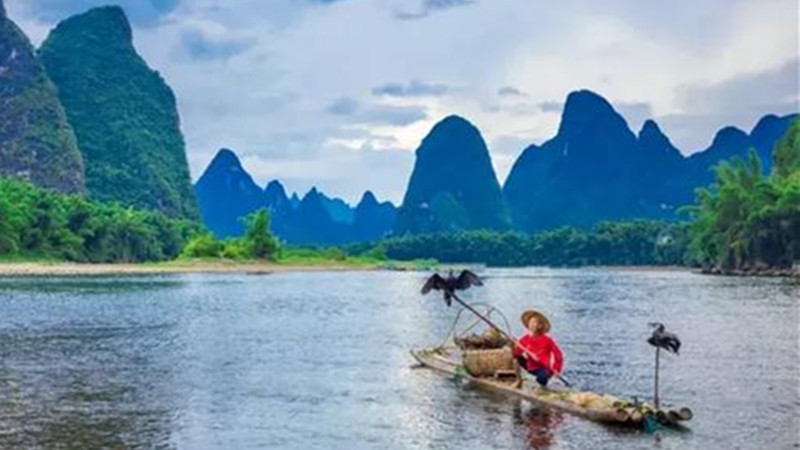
(36, 142)
(258, 242)
(609, 243)
(42, 223)
(748, 221)
(123, 113)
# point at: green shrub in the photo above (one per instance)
(258, 239)
(236, 249)
(203, 245)
(36, 221)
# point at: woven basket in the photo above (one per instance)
(486, 363)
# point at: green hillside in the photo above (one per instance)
(36, 142)
(124, 114)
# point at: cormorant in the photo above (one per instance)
(451, 284)
(664, 339)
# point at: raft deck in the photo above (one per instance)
(592, 406)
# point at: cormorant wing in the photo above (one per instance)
(434, 282)
(468, 279)
(672, 342)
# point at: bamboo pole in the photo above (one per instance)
(655, 398)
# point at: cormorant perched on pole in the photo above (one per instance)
(666, 340)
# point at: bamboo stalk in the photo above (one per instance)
(656, 399)
(621, 415)
(684, 414)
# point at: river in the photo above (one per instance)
(320, 361)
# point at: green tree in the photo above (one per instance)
(258, 236)
(35, 221)
(745, 221)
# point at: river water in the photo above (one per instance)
(320, 361)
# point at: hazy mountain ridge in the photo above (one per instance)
(227, 193)
(596, 169)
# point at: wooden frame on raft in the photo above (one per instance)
(595, 407)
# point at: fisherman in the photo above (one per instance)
(547, 360)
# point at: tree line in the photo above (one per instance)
(746, 221)
(36, 222)
(637, 242)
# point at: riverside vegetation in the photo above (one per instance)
(43, 225)
(36, 223)
(748, 222)
(743, 222)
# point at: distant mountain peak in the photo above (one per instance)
(453, 171)
(312, 193)
(275, 186)
(588, 119)
(111, 19)
(368, 199)
(451, 128)
(765, 122)
(650, 128)
(651, 137)
(455, 120)
(2, 10)
(226, 158)
(226, 193)
(586, 105)
(729, 136)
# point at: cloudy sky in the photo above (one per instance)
(338, 93)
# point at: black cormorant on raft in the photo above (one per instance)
(666, 340)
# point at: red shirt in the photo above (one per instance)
(544, 348)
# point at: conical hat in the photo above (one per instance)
(526, 317)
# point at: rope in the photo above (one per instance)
(490, 309)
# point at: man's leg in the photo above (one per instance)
(542, 376)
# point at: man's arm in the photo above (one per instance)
(558, 358)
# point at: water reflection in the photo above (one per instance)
(541, 425)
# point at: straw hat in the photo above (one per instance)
(527, 315)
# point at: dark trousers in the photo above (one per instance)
(542, 375)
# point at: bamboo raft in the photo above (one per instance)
(595, 407)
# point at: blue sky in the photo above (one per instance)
(338, 93)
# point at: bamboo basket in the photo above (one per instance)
(487, 363)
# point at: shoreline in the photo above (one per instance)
(172, 267)
(56, 268)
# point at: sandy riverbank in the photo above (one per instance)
(55, 269)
